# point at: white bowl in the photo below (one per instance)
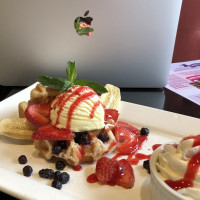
(159, 189)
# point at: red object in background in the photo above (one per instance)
(187, 45)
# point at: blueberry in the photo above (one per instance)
(82, 138)
(56, 184)
(57, 174)
(60, 165)
(64, 177)
(146, 165)
(103, 137)
(56, 149)
(144, 131)
(22, 159)
(62, 144)
(27, 170)
(46, 173)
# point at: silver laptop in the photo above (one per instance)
(131, 44)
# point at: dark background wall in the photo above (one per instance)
(187, 45)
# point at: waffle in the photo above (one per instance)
(40, 94)
(74, 154)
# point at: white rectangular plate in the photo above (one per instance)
(164, 127)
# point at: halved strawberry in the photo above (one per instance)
(111, 114)
(38, 114)
(129, 127)
(127, 141)
(126, 177)
(50, 132)
(107, 170)
(114, 172)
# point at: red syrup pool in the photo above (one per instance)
(92, 178)
(77, 168)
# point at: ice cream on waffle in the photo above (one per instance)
(80, 110)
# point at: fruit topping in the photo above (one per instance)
(63, 177)
(56, 149)
(62, 144)
(113, 172)
(144, 131)
(49, 132)
(125, 178)
(129, 138)
(56, 184)
(46, 173)
(27, 170)
(22, 159)
(107, 170)
(129, 127)
(57, 174)
(126, 140)
(60, 165)
(82, 138)
(111, 114)
(59, 146)
(38, 114)
(146, 165)
(103, 137)
(58, 177)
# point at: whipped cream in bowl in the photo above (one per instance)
(175, 170)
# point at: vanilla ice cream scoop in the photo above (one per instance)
(78, 109)
(179, 166)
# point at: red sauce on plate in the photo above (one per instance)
(92, 178)
(77, 168)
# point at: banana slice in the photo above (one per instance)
(112, 98)
(18, 128)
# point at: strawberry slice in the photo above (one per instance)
(126, 177)
(106, 170)
(112, 172)
(38, 114)
(127, 141)
(111, 114)
(49, 132)
(129, 127)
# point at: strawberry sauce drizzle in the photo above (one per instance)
(81, 97)
(155, 146)
(81, 153)
(135, 157)
(61, 105)
(191, 171)
(94, 108)
(75, 104)
(62, 101)
(196, 141)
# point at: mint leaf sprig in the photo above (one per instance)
(63, 84)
